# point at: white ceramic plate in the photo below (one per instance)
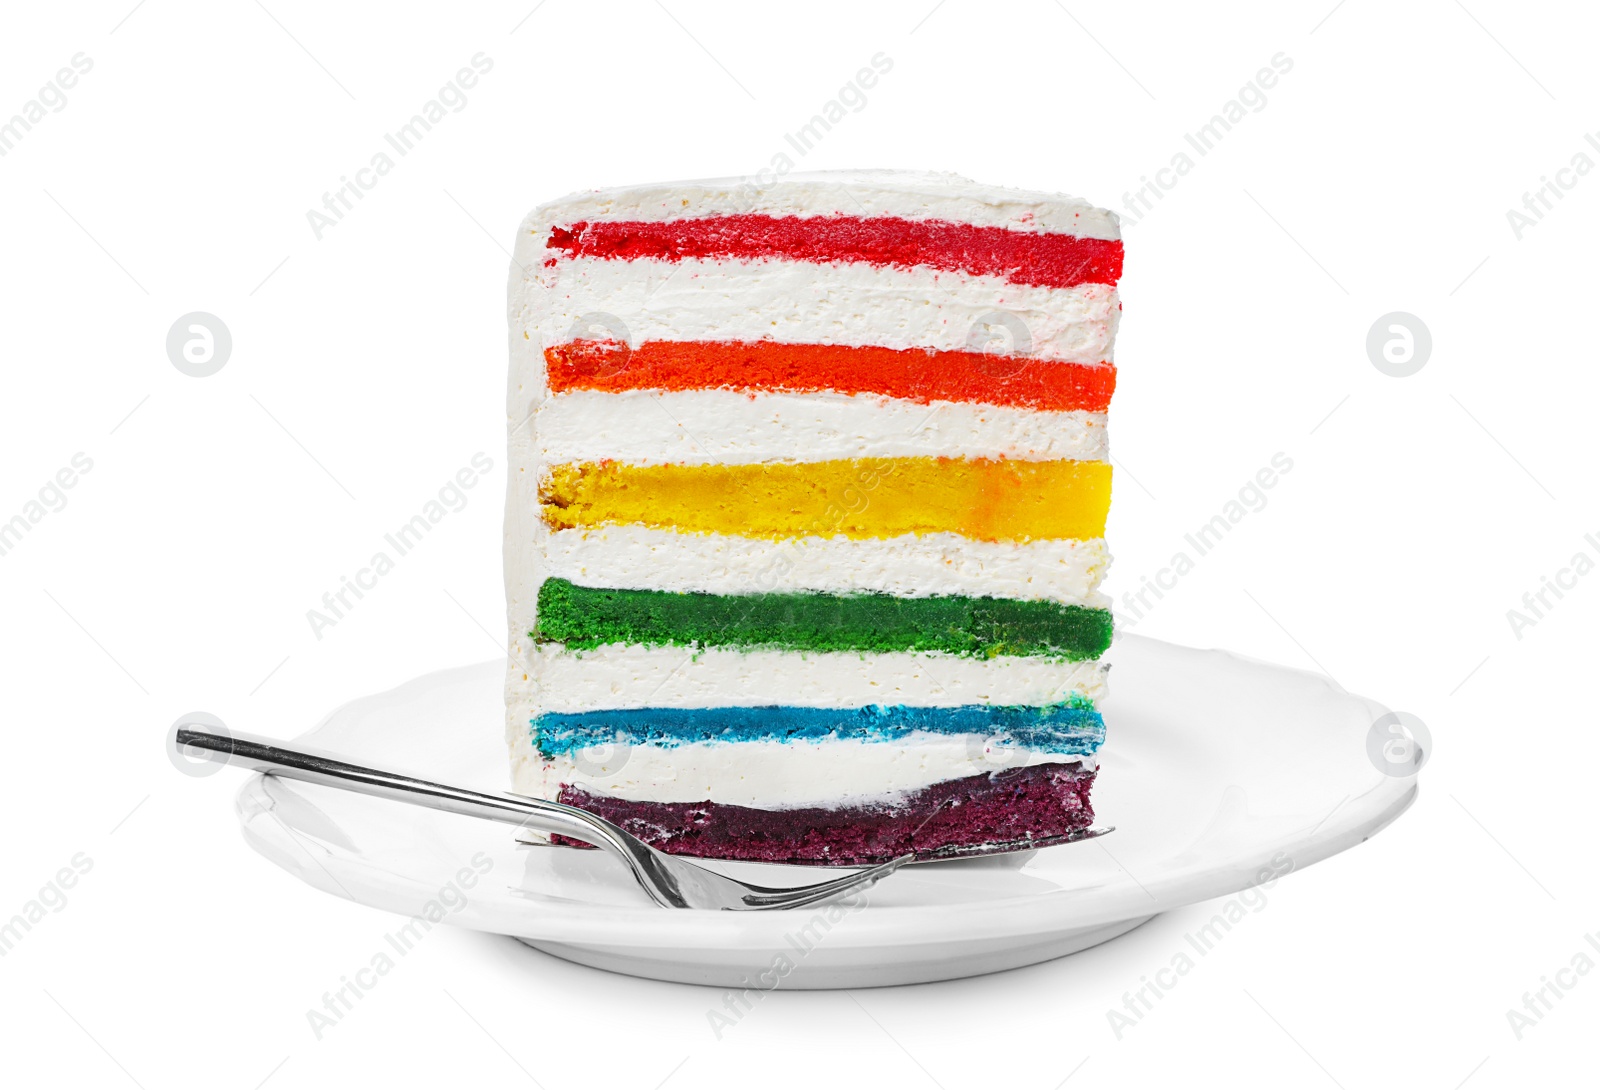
(1215, 769)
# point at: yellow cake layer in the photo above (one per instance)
(989, 500)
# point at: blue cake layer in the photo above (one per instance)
(1073, 728)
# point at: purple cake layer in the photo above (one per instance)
(1018, 805)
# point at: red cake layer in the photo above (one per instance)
(1019, 805)
(1048, 260)
(911, 373)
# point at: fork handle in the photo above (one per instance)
(274, 759)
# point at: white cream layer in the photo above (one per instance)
(907, 194)
(649, 427)
(633, 676)
(798, 302)
(912, 566)
(777, 775)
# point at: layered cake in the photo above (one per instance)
(807, 503)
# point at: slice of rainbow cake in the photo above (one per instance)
(807, 506)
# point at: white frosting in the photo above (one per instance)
(634, 676)
(912, 566)
(774, 775)
(800, 302)
(648, 427)
(907, 194)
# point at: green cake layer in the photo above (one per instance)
(588, 617)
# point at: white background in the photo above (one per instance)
(367, 368)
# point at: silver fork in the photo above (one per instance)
(670, 881)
